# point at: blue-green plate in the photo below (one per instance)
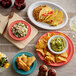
(22, 72)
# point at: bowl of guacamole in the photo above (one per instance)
(57, 44)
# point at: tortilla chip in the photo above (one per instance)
(61, 34)
(41, 51)
(64, 55)
(51, 34)
(57, 60)
(60, 59)
(41, 44)
(45, 38)
(49, 54)
(49, 58)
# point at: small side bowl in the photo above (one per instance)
(22, 72)
(13, 36)
(66, 46)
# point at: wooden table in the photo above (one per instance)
(10, 50)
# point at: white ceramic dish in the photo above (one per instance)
(66, 46)
(44, 25)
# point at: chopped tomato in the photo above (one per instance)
(50, 12)
(45, 14)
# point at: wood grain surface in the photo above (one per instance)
(23, 43)
(3, 23)
(10, 50)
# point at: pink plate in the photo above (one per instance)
(22, 38)
(70, 51)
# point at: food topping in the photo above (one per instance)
(57, 44)
(24, 62)
(19, 30)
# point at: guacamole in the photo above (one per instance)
(57, 44)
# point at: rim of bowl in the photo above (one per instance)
(53, 50)
(13, 36)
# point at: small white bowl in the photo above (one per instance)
(66, 46)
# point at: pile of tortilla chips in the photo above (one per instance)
(42, 47)
(48, 15)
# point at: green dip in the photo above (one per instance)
(57, 44)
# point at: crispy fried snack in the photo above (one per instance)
(60, 59)
(25, 62)
(24, 58)
(41, 51)
(30, 60)
(23, 66)
(64, 55)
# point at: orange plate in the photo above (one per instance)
(70, 51)
(22, 38)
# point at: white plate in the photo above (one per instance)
(44, 25)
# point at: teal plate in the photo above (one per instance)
(22, 72)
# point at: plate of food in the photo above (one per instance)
(4, 63)
(24, 63)
(55, 48)
(19, 30)
(47, 15)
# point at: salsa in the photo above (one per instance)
(19, 30)
(57, 44)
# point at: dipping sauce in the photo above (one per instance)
(19, 30)
(57, 44)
